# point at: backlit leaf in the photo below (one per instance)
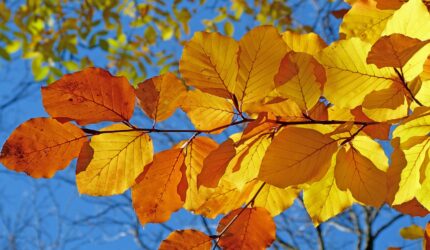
(186, 240)
(309, 43)
(160, 96)
(42, 146)
(412, 232)
(207, 111)
(254, 228)
(155, 194)
(110, 163)
(349, 77)
(260, 54)
(90, 96)
(209, 63)
(297, 156)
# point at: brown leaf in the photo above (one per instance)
(253, 228)
(155, 196)
(42, 146)
(90, 96)
(186, 240)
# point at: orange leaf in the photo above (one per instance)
(296, 156)
(253, 228)
(160, 96)
(215, 164)
(155, 195)
(186, 240)
(412, 207)
(427, 236)
(90, 96)
(394, 50)
(42, 146)
(389, 4)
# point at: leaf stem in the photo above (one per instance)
(405, 85)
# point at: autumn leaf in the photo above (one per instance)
(206, 111)
(417, 124)
(155, 201)
(324, 199)
(297, 156)
(261, 51)
(305, 84)
(309, 43)
(186, 240)
(412, 232)
(209, 63)
(110, 162)
(413, 208)
(42, 146)
(394, 50)
(349, 77)
(254, 228)
(160, 96)
(90, 96)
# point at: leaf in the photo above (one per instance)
(215, 164)
(414, 26)
(412, 232)
(365, 21)
(389, 4)
(261, 52)
(349, 77)
(309, 43)
(324, 200)
(304, 86)
(90, 96)
(206, 111)
(209, 63)
(42, 146)
(195, 154)
(427, 236)
(361, 176)
(386, 104)
(417, 124)
(185, 240)
(154, 201)
(275, 200)
(160, 96)
(110, 163)
(297, 156)
(405, 170)
(253, 228)
(412, 207)
(394, 50)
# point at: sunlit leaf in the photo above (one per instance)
(42, 146)
(254, 228)
(110, 163)
(90, 96)
(309, 43)
(412, 232)
(186, 240)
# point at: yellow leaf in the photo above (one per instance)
(260, 54)
(160, 96)
(253, 228)
(155, 195)
(305, 85)
(354, 172)
(417, 124)
(412, 232)
(309, 43)
(412, 20)
(209, 63)
(186, 240)
(90, 96)
(423, 94)
(405, 172)
(324, 200)
(349, 77)
(297, 156)
(207, 111)
(110, 163)
(386, 104)
(42, 146)
(273, 199)
(365, 21)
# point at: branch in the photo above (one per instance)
(405, 85)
